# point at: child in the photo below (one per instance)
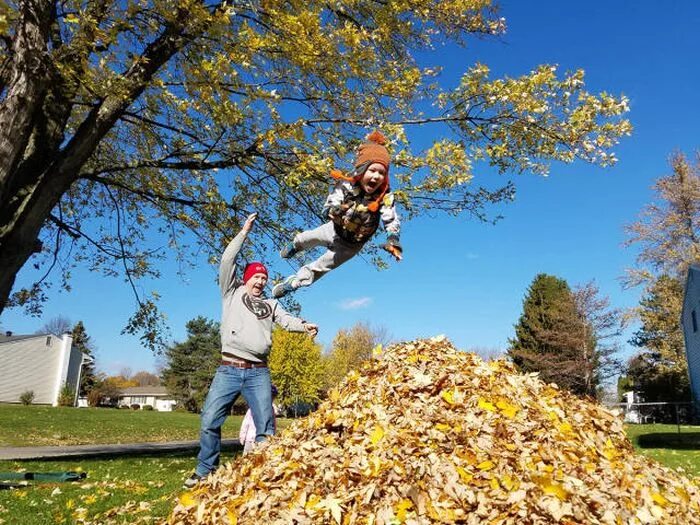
(354, 209)
(248, 432)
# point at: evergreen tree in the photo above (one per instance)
(660, 369)
(566, 336)
(190, 366)
(83, 342)
(295, 367)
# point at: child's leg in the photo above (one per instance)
(321, 236)
(338, 253)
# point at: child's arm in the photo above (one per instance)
(334, 200)
(247, 428)
(392, 226)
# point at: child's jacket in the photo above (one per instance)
(346, 206)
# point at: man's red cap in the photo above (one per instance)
(253, 268)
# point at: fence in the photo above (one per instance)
(677, 413)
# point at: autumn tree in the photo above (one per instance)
(58, 325)
(598, 343)
(83, 342)
(668, 237)
(144, 378)
(660, 369)
(190, 365)
(129, 126)
(349, 349)
(295, 367)
(667, 232)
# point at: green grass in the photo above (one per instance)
(116, 490)
(24, 426)
(667, 446)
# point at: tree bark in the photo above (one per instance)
(38, 184)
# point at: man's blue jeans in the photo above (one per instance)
(228, 383)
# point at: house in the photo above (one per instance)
(41, 363)
(155, 396)
(690, 319)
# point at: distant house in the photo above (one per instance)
(690, 319)
(155, 396)
(42, 363)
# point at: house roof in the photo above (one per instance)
(7, 338)
(144, 391)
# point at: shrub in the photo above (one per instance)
(147, 407)
(66, 398)
(94, 397)
(124, 406)
(136, 406)
(27, 397)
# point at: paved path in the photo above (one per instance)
(126, 449)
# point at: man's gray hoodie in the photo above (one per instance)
(246, 321)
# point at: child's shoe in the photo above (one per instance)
(288, 251)
(283, 288)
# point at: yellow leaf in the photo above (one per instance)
(377, 351)
(466, 477)
(312, 502)
(486, 465)
(551, 487)
(507, 409)
(448, 395)
(377, 434)
(232, 518)
(442, 427)
(401, 509)
(485, 405)
(187, 499)
(659, 499)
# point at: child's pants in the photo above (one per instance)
(339, 251)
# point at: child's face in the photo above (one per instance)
(373, 177)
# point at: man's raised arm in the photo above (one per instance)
(227, 268)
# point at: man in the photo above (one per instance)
(246, 336)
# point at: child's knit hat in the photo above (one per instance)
(253, 268)
(374, 150)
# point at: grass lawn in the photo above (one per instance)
(117, 490)
(667, 446)
(24, 426)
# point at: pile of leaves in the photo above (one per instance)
(429, 434)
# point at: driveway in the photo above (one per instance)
(125, 449)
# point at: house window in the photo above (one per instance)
(141, 400)
(694, 318)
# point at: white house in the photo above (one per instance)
(690, 319)
(42, 363)
(155, 396)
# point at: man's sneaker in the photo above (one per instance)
(192, 481)
(283, 288)
(288, 251)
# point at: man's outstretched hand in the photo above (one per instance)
(249, 222)
(311, 329)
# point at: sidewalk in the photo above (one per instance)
(90, 451)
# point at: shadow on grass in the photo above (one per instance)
(670, 440)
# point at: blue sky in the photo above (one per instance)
(460, 277)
